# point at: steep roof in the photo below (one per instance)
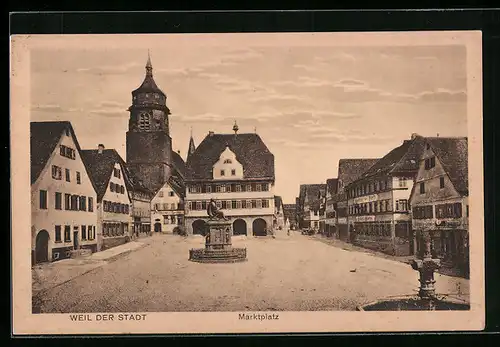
(179, 164)
(404, 158)
(278, 202)
(331, 186)
(250, 150)
(44, 137)
(177, 186)
(351, 169)
(149, 84)
(452, 152)
(100, 167)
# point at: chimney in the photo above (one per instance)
(210, 133)
(413, 136)
(100, 148)
(178, 152)
(437, 135)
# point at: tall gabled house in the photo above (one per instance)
(440, 199)
(63, 199)
(114, 203)
(167, 207)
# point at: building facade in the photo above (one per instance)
(237, 171)
(310, 204)
(167, 208)
(330, 214)
(63, 199)
(378, 205)
(114, 213)
(439, 200)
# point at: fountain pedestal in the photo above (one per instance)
(218, 245)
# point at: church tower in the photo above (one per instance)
(149, 145)
(192, 146)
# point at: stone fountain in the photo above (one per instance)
(427, 299)
(218, 245)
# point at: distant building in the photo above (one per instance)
(279, 213)
(114, 216)
(348, 171)
(378, 200)
(440, 199)
(310, 201)
(290, 215)
(63, 199)
(167, 207)
(237, 171)
(330, 216)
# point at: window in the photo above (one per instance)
(67, 233)
(441, 182)
(422, 188)
(233, 172)
(56, 172)
(68, 176)
(43, 199)
(253, 203)
(228, 161)
(222, 173)
(198, 205)
(160, 194)
(57, 230)
(116, 172)
(238, 204)
(67, 152)
(258, 187)
(430, 163)
(265, 187)
(238, 188)
(84, 232)
(208, 188)
(402, 182)
(74, 203)
(58, 201)
(402, 205)
(173, 206)
(91, 204)
(449, 210)
(122, 189)
(233, 204)
(83, 203)
(67, 201)
(258, 204)
(78, 178)
(249, 187)
(423, 212)
(265, 203)
(111, 186)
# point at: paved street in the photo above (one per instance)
(286, 273)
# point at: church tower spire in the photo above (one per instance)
(192, 146)
(149, 66)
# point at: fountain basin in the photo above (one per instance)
(415, 303)
(231, 255)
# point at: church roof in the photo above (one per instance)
(452, 153)
(331, 186)
(250, 151)
(44, 137)
(179, 164)
(149, 84)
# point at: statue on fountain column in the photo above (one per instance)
(213, 212)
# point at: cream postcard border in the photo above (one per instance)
(24, 322)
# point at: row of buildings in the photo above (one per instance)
(385, 203)
(86, 200)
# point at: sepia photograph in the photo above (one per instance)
(247, 175)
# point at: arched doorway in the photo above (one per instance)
(199, 227)
(157, 227)
(239, 227)
(259, 227)
(42, 247)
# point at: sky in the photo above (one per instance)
(311, 104)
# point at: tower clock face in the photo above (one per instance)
(157, 114)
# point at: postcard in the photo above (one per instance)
(247, 183)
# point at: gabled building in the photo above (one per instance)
(63, 199)
(279, 214)
(378, 200)
(290, 211)
(237, 171)
(167, 207)
(114, 216)
(349, 169)
(440, 199)
(310, 203)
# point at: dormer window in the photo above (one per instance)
(222, 172)
(228, 161)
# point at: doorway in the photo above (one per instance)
(42, 247)
(157, 227)
(259, 227)
(239, 227)
(75, 238)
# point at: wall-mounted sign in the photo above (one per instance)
(342, 220)
(365, 199)
(365, 218)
